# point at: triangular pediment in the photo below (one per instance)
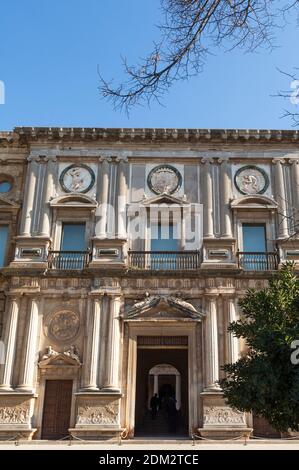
(164, 198)
(7, 204)
(163, 307)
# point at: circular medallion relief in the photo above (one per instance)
(77, 178)
(251, 179)
(164, 179)
(63, 326)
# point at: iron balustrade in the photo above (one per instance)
(68, 259)
(258, 261)
(164, 260)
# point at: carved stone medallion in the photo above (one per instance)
(251, 179)
(63, 326)
(164, 179)
(77, 178)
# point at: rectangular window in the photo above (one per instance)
(163, 237)
(3, 243)
(254, 238)
(164, 240)
(73, 237)
(254, 247)
(73, 247)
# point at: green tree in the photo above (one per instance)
(266, 380)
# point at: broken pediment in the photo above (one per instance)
(53, 358)
(163, 307)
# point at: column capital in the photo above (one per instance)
(275, 161)
(294, 161)
(207, 160)
(104, 158)
(223, 160)
(121, 159)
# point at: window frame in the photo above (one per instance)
(7, 247)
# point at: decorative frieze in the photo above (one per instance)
(18, 414)
(91, 413)
(223, 415)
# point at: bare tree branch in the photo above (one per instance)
(292, 95)
(191, 29)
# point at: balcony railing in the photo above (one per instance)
(68, 259)
(258, 261)
(164, 260)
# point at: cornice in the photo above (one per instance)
(27, 135)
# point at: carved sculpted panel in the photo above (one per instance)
(222, 415)
(164, 179)
(77, 178)
(18, 414)
(98, 414)
(251, 179)
(63, 326)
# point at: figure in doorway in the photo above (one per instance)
(170, 405)
(154, 404)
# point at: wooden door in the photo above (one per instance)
(57, 409)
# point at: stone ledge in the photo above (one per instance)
(224, 432)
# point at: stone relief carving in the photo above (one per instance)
(63, 326)
(78, 178)
(218, 415)
(72, 352)
(100, 414)
(251, 179)
(14, 414)
(164, 179)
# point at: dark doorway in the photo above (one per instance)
(57, 409)
(162, 425)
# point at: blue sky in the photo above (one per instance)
(49, 52)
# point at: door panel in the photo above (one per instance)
(57, 409)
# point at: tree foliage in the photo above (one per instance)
(266, 380)
(190, 31)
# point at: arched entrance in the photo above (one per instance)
(165, 381)
(168, 381)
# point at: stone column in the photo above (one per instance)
(156, 384)
(91, 359)
(30, 185)
(100, 228)
(212, 354)
(111, 383)
(9, 340)
(295, 173)
(280, 197)
(233, 343)
(178, 391)
(122, 199)
(48, 193)
(225, 195)
(29, 351)
(208, 226)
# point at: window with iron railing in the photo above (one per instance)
(255, 256)
(73, 253)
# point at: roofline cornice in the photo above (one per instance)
(28, 135)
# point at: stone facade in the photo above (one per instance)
(81, 320)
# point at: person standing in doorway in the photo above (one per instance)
(154, 403)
